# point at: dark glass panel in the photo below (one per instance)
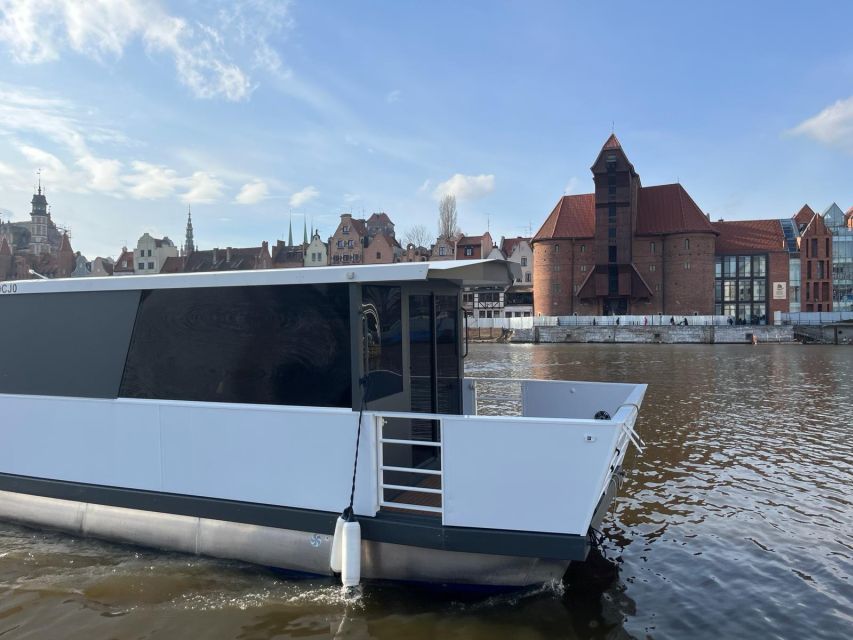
(384, 335)
(422, 367)
(449, 387)
(286, 345)
(65, 344)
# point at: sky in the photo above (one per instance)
(256, 113)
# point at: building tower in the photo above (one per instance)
(39, 222)
(189, 245)
(613, 282)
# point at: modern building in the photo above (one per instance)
(625, 248)
(751, 271)
(151, 253)
(840, 225)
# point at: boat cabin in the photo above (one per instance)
(388, 336)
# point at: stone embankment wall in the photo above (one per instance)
(656, 335)
(841, 333)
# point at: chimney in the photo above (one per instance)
(228, 255)
(215, 255)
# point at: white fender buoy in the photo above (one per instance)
(351, 556)
(337, 545)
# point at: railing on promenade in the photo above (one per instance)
(816, 317)
(650, 320)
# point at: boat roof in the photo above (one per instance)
(472, 273)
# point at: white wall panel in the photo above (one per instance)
(291, 456)
(506, 473)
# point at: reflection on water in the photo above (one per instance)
(736, 521)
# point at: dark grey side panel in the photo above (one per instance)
(65, 344)
(418, 531)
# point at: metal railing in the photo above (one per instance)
(428, 477)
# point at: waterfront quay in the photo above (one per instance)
(678, 334)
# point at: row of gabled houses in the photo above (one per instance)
(625, 248)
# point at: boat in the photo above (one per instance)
(238, 415)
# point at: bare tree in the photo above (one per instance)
(417, 235)
(447, 217)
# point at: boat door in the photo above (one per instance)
(434, 358)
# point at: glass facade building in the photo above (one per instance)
(741, 288)
(842, 258)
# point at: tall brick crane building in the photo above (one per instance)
(624, 249)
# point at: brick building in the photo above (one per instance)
(624, 249)
(815, 243)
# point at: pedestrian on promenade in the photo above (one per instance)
(645, 321)
(672, 321)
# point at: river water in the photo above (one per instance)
(735, 522)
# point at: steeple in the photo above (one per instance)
(304, 230)
(290, 232)
(39, 201)
(189, 245)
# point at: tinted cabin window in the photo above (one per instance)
(384, 348)
(65, 344)
(285, 345)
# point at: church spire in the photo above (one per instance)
(304, 230)
(189, 244)
(290, 232)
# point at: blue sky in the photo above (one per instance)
(255, 111)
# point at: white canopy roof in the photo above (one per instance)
(473, 273)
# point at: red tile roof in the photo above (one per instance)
(804, 215)
(660, 210)
(668, 208)
(573, 217)
(612, 142)
(749, 236)
(379, 218)
(126, 256)
(508, 245)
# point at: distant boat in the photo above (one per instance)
(218, 414)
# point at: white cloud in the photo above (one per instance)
(39, 31)
(832, 127)
(104, 173)
(204, 187)
(571, 186)
(150, 181)
(252, 192)
(466, 187)
(301, 197)
(393, 96)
